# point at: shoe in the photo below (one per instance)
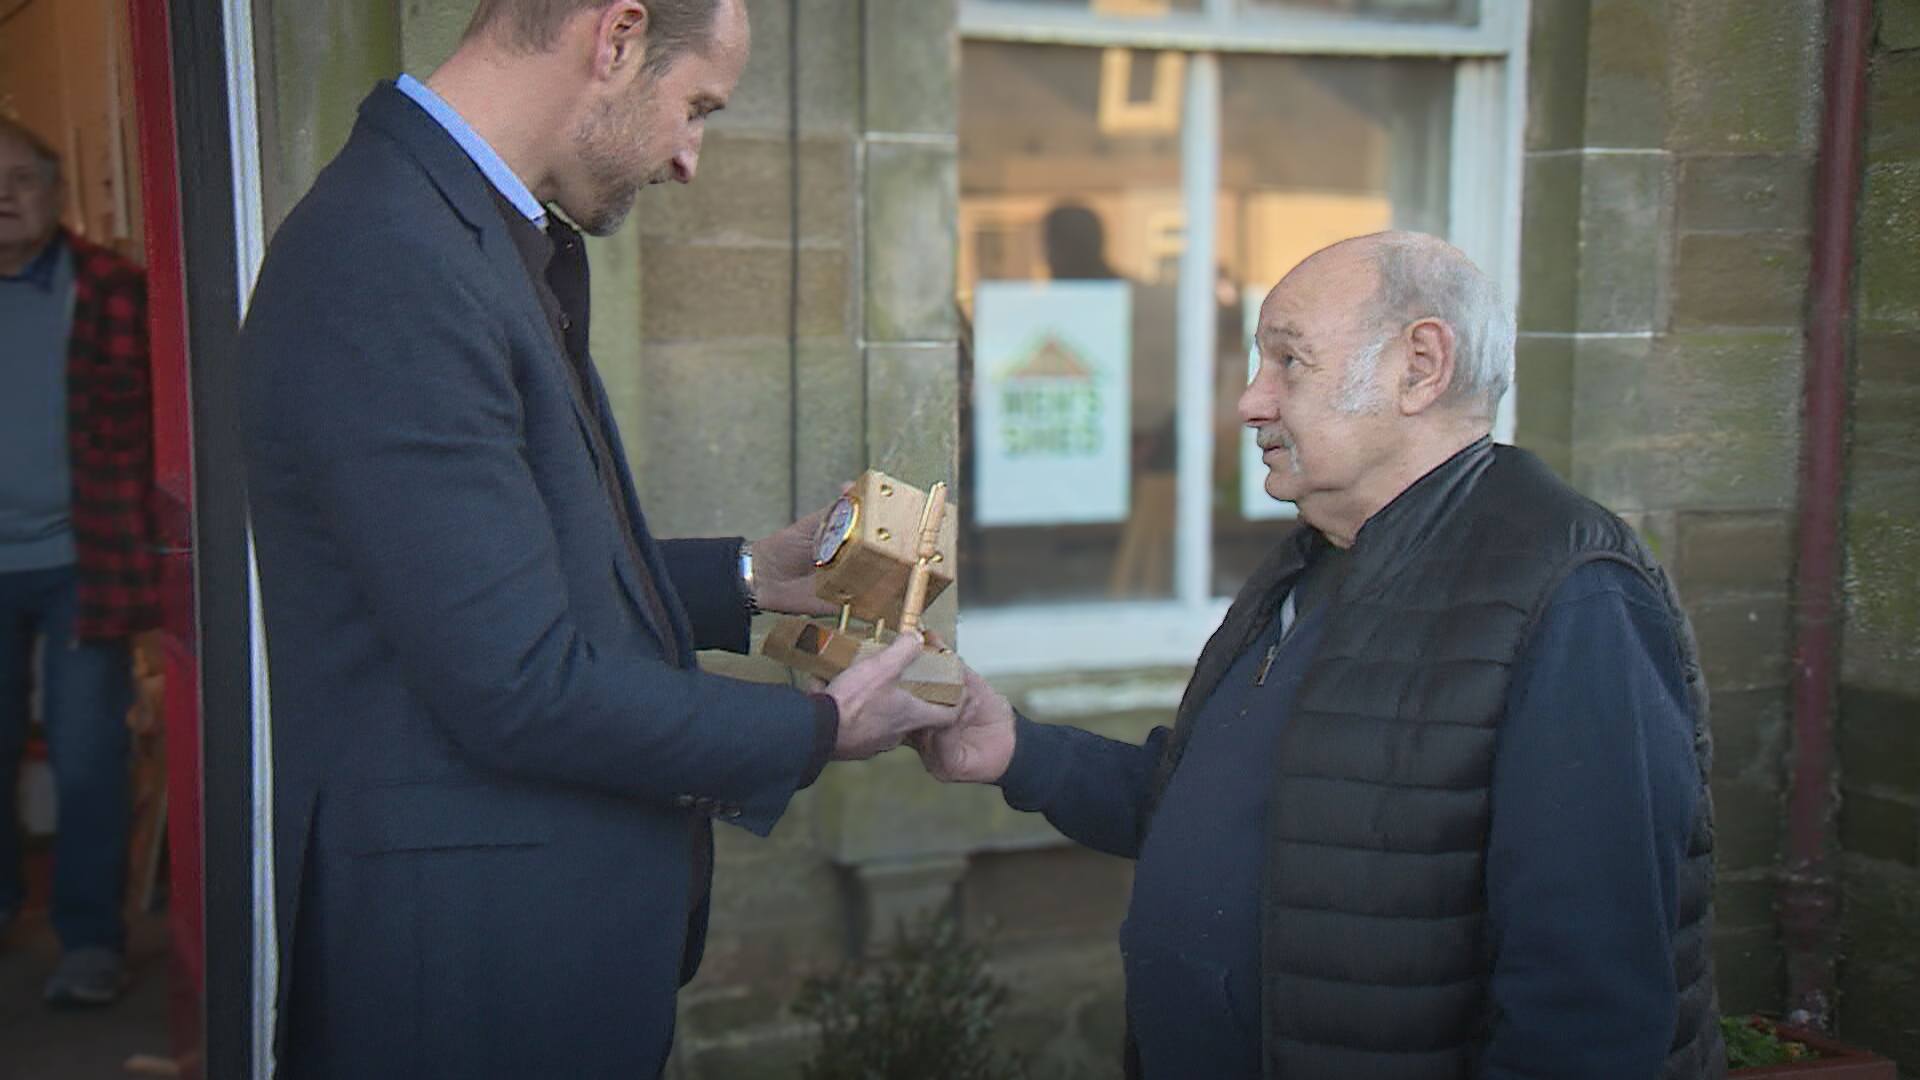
(87, 978)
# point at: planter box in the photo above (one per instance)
(1837, 1061)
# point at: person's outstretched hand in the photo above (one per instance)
(977, 747)
(876, 714)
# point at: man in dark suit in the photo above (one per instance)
(495, 757)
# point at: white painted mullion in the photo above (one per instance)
(1200, 188)
(243, 126)
(1474, 159)
(266, 954)
(1478, 196)
(1512, 176)
(250, 245)
(1224, 28)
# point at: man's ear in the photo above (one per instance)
(1429, 365)
(620, 38)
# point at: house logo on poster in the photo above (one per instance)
(1051, 411)
(1050, 404)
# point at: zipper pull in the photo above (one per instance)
(1266, 664)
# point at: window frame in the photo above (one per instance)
(1483, 220)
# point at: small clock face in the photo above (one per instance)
(836, 530)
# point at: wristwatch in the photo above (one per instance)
(746, 578)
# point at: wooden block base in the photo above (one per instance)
(824, 652)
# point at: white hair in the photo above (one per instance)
(1424, 277)
(1359, 394)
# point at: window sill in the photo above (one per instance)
(1087, 637)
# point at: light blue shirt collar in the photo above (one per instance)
(491, 165)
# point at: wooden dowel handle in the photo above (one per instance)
(928, 547)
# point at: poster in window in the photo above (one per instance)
(1255, 503)
(1051, 402)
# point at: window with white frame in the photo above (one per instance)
(1134, 176)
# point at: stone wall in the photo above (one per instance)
(735, 426)
(779, 355)
(1664, 248)
(1668, 207)
(1879, 723)
(787, 320)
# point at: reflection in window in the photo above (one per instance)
(1072, 228)
(1313, 151)
(1070, 224)
(1449, 11)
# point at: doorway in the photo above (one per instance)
(90, 81)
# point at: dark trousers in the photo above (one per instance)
(85, 689)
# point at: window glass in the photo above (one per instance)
(1313, 150)
(1147, 8)
(1070, 240)
(1442, 11)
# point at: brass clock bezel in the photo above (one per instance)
(846, 533)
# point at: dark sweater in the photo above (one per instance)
(1592, 796)
(36, 484)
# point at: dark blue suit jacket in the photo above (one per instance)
(486, 771)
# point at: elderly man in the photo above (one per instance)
(1434, 804)
(77, 571)
(496, 757)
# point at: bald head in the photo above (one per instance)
(1378, 358)
(1415, 276)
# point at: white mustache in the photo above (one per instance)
(1272, 440)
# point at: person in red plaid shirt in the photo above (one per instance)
(78, 573)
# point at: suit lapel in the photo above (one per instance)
(649, 549)
(504, 254)
(472, 198)
(585, 415)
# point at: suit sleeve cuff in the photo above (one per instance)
(826, 734)
(706, 576)
(1034, 773)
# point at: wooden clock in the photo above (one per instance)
(884, 552)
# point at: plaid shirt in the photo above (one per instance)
(110, 441)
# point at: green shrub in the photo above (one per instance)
(1752, 1041)
(925, 1011)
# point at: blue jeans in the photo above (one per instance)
(86, 688)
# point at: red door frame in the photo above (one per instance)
(173, 467)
